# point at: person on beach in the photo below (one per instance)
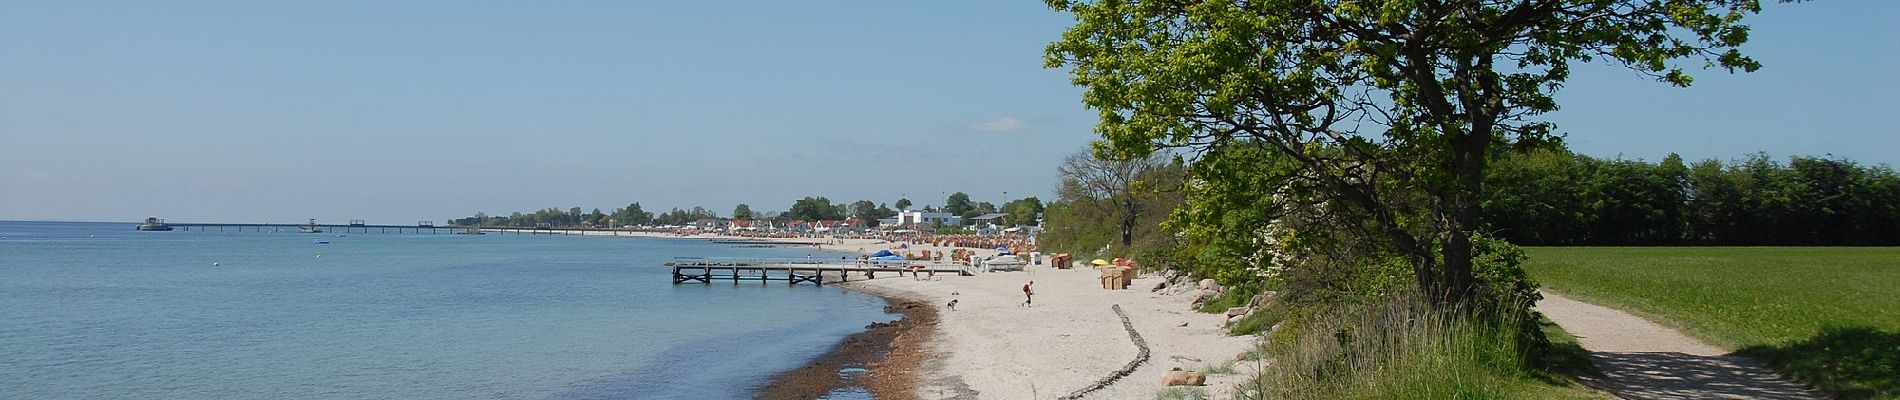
(1029, 296)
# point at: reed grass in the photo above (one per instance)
(1401, 348)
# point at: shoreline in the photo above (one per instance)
(890, 353)
(992, 346)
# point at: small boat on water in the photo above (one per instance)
(154, 224)
(311, 228)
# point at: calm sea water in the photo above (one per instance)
(96, 310)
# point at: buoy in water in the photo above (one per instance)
(214, 264)
(92, 236)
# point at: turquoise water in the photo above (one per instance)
(95, 310)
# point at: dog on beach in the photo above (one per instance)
(953, 304)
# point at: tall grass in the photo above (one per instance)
(1400, 348)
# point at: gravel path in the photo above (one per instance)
(1642, 360)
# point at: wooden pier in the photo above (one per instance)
(794, 272)
(423, 228)
(327, 228)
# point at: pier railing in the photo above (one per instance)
(800, 270)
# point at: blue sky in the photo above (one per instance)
(403, 111)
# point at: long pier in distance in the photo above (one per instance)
(422, 227)
(796, 271)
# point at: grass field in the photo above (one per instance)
(1828, 316)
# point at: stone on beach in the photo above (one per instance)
(1177, 377)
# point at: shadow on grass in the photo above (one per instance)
(1848, 362)
(1563, 357)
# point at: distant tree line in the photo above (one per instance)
(811, 208)
(631, 215)
(1555, 197)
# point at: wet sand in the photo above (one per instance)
(892, 352)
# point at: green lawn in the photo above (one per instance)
(1829, 316)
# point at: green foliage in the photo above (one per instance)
(631, 215)
(1076, 229)
(1114, 208)
(814, 209)
(1821, 315)
(1389, 107)
(903, 204)
(1022, 212)
(1396, 348)
(1547, 197)
(958, 204)
(1255, 323)
(683, 217)
(742, 211)
(1230, 299)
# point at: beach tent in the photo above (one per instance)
(883, 253)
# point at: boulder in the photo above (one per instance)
(1177, 377)
(1262, 299)
(1209, 284)
(1201, 297)
(1239, 311)
(1230, 321)
(1159, 286)
(1180, 289)
(1169, 275)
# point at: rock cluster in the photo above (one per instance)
(1176, 283)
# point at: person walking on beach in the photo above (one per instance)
(1029, 296)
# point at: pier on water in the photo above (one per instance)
(424, 227)
(796, 271)
(327, 228)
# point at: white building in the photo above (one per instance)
(927, 219)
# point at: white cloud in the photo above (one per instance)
(1001, 125)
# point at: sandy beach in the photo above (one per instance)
(993, 347)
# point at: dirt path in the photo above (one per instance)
(1642, 360)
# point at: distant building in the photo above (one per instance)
(920, 219)
(990, 220)
(710, 224)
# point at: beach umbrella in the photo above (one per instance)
(1098, 261)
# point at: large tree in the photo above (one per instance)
(1389, 106)
(958, 204)
(865, 210)
(815, 208)
(1022, 212)
(742, 211)
(1115, 186)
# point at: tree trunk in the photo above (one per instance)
(1468, 153)
(1128, 231)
